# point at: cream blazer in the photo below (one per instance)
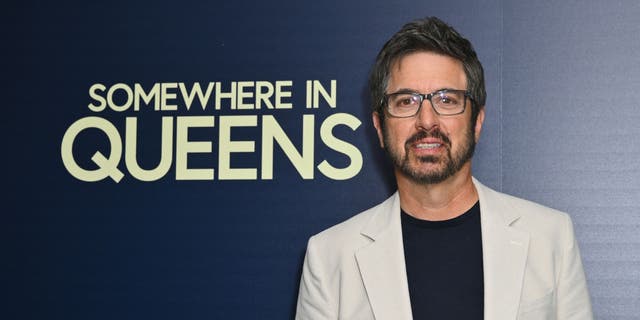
(532, 266)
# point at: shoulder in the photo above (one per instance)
(538, 220)
(352, 227)
(346, 237)
(530, 208)
(512, 207)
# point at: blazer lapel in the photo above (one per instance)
(382, 264)
(504, 255)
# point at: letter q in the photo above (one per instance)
(107, 167)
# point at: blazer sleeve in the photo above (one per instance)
(314, 298)
(572, 296)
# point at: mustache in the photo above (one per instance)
(436, 133)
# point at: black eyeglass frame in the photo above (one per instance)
(428, 96)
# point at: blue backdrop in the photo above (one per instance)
(561, 129)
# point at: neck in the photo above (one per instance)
(441, 201)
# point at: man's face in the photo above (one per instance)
(429, 148)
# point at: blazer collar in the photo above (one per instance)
(504, 253)
(382, 264)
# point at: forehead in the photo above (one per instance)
(426, 72)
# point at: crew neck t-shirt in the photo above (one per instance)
(443, 261)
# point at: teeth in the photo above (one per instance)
(427, 145)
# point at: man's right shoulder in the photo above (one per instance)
(348, 235)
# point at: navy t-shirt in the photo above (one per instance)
(444, 266)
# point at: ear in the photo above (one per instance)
(479, 122)
(377, 122)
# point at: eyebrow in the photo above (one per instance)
(408, 90)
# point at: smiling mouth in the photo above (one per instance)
(428, 145)
(424, 140)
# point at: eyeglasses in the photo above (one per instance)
(444, 102)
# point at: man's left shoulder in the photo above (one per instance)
(528, 208)
(528, 215)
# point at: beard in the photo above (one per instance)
(445, 166)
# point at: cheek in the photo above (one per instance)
(458, 129)
(397, 136)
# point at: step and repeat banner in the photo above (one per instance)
(170, 160)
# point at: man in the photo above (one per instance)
(444, 246)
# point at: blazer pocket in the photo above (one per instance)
(540, 308)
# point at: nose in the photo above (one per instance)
(427, 118)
